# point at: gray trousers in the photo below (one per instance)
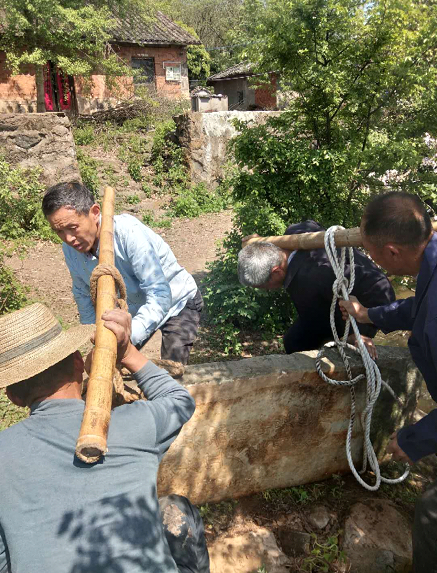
(425, 532)
(180, 332)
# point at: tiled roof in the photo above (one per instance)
(162, 30)
(242, 69)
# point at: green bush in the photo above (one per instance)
(88, 172)
(132, 199)
(20, 203)
(84, 135)
(12, 292)
(192, 202)
(134, 167)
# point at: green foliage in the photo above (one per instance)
(363, 83)
(132, 199)
(134, 167)
(88, 172)
(145, 187)
(20, 203)
(84, 135)
(149, 220)
(10, 414)
(193, 201)
(324, 556)
(12, 293)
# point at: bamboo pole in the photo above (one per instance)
(307, 241)
(91, 443)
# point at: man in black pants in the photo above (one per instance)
(308, 278)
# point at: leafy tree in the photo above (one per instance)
(73, 34)
(361, 111)
(198, 59)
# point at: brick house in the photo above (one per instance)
(239, 84)
(158, 49)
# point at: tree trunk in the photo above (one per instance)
(39, 77)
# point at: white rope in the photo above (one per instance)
(341, 289)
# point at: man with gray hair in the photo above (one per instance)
(308, 278)
(160, 293)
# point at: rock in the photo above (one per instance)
(294, 543)
(377, 538)
(318, 517)
(40, 139)
(247, 553)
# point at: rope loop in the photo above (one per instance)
(108, 270)
(342, 287)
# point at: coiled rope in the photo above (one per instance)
(341, 289)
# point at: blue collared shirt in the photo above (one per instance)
(418, 314)
(157, 286)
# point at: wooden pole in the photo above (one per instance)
(308, 241)
(91, 443)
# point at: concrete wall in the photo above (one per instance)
(209, 104)
(204, 138)
(40, 139)
(271, 422)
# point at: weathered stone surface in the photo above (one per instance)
(294, 543)
(271, 422)
(205, 136)
(247, 553)
(318, 516)
(377, 538)
(40, 140)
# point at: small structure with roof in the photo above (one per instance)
(157, 49)
(205, 101)
(244, 92)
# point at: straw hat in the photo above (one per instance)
(32, 340)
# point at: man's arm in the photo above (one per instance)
(170, 403)
(394, 316)
(81, 291)
(146, 267)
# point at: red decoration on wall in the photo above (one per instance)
(63, 90)
(48, 91)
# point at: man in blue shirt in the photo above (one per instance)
(160, 293)
(397, 232)
(59, 514)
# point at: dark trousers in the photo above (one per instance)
(307, 335)
(425, 532)
(180, 332)
(183, 528)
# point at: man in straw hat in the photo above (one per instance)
(160, 293)
(58, 514)
(397, 232)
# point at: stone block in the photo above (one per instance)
(271, 422)
(40, 140)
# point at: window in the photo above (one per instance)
(173, 73)
(147, 70)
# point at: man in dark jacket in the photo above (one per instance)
(308, 278)
(397, 232)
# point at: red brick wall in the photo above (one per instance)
(265, 96)
(17, 93)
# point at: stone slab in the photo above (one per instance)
(271, 422)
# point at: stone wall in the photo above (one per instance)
(271, 422)
(204, 138)
(40, 139)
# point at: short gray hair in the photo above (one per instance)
(72, 195)
(255, 263)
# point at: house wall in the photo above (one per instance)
(100, 96)
(231, 88)
(17, 93)
(265, 95)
